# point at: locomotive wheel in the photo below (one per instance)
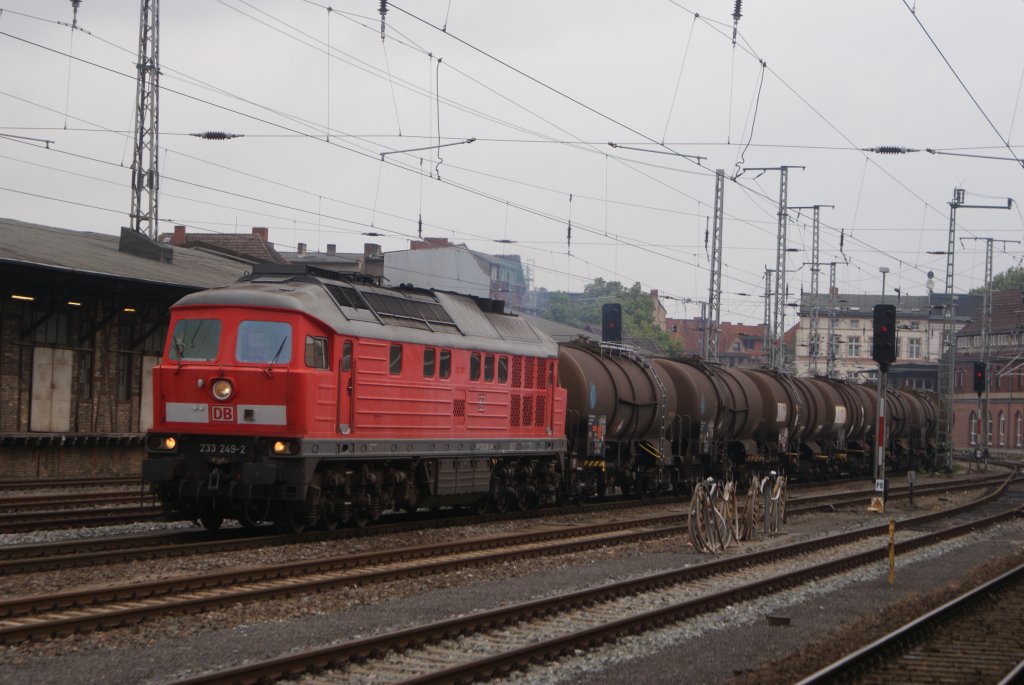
(360, 516)
(501, 502)
(289, 522)
(211, 521)
(330, 516)
(480, 506)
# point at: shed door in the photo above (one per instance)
(146, 401)
(51, 390)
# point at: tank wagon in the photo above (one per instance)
(302, 399)
(297, 397)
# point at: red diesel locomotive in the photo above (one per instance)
(298, 398)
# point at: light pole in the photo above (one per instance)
(883, 270)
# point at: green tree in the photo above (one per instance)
(1011, 279)
(584, 311)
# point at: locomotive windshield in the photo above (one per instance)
(195, 340)
(264, 342)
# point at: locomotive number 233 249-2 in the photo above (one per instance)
(223, 448)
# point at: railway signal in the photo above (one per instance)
(611, 322)
(883, 351)
(979, 378)
(883, 346)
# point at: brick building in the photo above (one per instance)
(1005, 374)
(83, 317)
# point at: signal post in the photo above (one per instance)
(883, 351)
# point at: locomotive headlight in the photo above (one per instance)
(222, 389)
(170, 443)
(280, 447)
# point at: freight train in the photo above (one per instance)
(304, 398)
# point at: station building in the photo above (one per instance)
(83, 317)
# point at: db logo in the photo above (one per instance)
(224, 413)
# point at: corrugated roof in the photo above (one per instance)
(97, 254)
(244, 244)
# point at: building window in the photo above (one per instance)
(914, 348)
(1002, 429)
(833, 348)
(972, 429)
(1020, 429)
(124, 377)
(959, 378)
(915, 325)
(989, 441)
(853, 346)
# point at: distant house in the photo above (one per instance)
(254, 247)
(369, 262)
(439, 264)
(739, 345)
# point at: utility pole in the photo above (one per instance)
(948, 359)
(813, 343)
(768, 342)
(830, 367)
(713, 323)
(777, 354)
(145, 163)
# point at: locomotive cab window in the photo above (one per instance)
(316, 352)
(264, 342)
(474, 366)
(489, 368)
(429, 355)
(445, 369)
(195, 340)
(502, 369)
(395, 360)
(346, 356)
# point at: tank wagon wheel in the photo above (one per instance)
(501, 502)
(481, 505)
(211, 521)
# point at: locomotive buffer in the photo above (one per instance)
(883, 351)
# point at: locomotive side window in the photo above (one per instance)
(489, 368)
(264, 342)
(316, 352)
(502, 369)
(429, 355)
(446, 364)
(195, 339)
(474, 366)
(395, 361)
(346, 356)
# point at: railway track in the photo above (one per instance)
(108, 550)
(77, 500)
(57, 483)
(491, 643)
(43, 616)
(21, 522)
(973, 638)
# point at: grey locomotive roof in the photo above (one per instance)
(470, 326)
(97, 254)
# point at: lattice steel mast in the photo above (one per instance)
(145, 163)
(712, 324)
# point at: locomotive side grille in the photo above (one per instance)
(459, 408)
(538, 419)
(541, 373)
(516, 410)
(528, 410)
(528, 376)
(517, 372)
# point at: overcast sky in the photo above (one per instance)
(543, 87)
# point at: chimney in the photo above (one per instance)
(179, 236)
(302, 249)
(262, 232)
(654, 293)
(371, 250)
(330, 248)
